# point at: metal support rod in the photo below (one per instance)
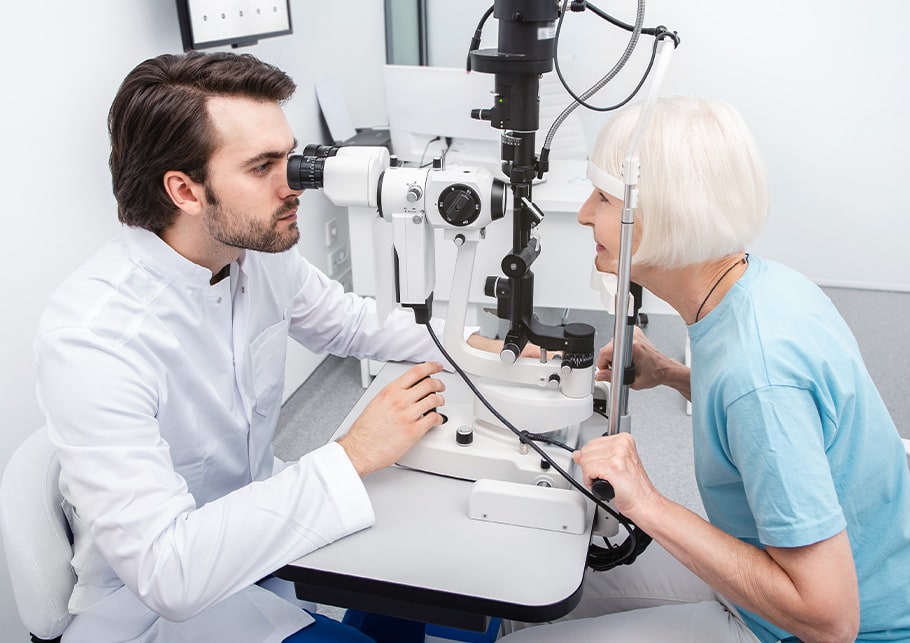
(622, 333)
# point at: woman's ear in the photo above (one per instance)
(186, 194)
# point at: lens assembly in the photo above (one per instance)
(306, 171)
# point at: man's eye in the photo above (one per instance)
(262, 169)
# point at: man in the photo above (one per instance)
(161, 368)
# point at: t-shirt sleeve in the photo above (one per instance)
(776, 441)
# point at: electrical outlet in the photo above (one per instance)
(331, 233)
(337, 261)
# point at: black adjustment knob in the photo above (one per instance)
(464, 435)
(459, 205)
(489, 286)
(579, 350)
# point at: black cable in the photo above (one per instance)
(660, 33)
(537, 437)
(425, 148)
(647, 31)
(599, 558)
(475, 41)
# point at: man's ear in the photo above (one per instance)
(184, 192)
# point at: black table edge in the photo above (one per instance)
(416, 603)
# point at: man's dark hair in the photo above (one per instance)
(159, 122)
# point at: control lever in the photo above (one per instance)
(603, 490)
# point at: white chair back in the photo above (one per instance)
(36, 537)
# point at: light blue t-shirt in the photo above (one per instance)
(793, 442)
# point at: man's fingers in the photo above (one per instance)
(428, 421)
(430, 402)
(417, 373)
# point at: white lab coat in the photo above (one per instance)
(162, 394)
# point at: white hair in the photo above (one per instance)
(703, 189)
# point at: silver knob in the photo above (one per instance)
(413, 194)
(464, 435)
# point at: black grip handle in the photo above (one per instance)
(603, 490)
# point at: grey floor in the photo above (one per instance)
(660, 425)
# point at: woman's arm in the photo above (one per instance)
(809, 591)
(652, 368)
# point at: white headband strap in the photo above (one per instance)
(606, 182)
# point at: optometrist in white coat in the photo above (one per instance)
(161, 367)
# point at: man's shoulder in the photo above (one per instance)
(80, 299)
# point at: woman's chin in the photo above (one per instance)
(605, 265)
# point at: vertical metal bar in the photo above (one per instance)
(622, 355)
(389, 35)
(422, 33)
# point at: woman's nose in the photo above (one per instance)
(584, 213)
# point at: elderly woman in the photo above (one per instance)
(800, 468)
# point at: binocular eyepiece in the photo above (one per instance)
(306, 170)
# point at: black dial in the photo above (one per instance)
(459, 205)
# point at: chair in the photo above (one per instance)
(37, 538)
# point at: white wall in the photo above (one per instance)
(823, 86)
(64, 63)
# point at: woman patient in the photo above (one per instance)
(799, 466)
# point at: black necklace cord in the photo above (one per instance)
(745, 259)
(599, 558)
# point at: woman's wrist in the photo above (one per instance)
(675, 375)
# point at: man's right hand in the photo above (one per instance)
(395, 419)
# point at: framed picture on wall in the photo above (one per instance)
(216, 23)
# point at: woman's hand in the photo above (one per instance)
(652, 368)
(615, 459)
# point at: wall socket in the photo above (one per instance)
(338, 261)
(331, 233)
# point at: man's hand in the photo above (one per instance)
(395, 419)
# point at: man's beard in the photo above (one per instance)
(230, 228)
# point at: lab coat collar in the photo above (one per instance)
(151, 250)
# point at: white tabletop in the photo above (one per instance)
(425, 548)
